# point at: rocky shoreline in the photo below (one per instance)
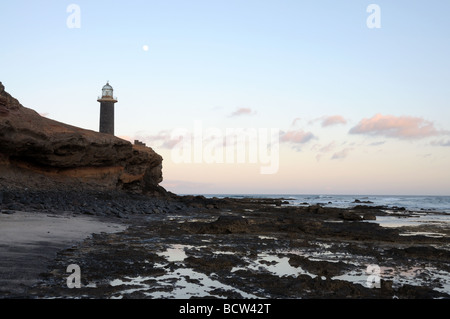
(196, 247)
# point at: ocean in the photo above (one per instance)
(412, 203)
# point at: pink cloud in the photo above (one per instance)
(296, 137)
(403, 127)
(328, 148)
(242, 111)
(329, 120)
(333, 120)
(322, 150)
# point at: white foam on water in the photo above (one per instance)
(428, 234)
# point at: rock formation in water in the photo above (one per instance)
(37, 152)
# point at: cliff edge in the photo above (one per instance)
(40, 153)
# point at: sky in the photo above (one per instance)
(249, 97)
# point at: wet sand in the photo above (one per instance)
(29, 242)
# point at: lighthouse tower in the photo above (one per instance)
(107, 101)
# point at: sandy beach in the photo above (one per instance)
(29, 241)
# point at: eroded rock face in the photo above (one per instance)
(39, 152)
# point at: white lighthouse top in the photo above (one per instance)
(107, 94)
(107, 90)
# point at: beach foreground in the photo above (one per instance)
(133, 246)
(29, 242)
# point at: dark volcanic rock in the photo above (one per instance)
(214, 263)
(223, 225)
(349, 215)
(230, 224)
(320, 268)
(362, 201)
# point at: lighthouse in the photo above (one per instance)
(107, 101)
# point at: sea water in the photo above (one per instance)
(412, 203)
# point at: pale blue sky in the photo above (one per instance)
(283, 60)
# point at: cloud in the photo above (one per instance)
(296, 137)
(162, 139)
(328, 148)
(294, 122)
(402, 127)
(242, 111)
(441, 143)
(332, 120)
(342, 154)
(329, 120)
(322, 150)
(377, 143)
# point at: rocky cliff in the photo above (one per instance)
(37, 152)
